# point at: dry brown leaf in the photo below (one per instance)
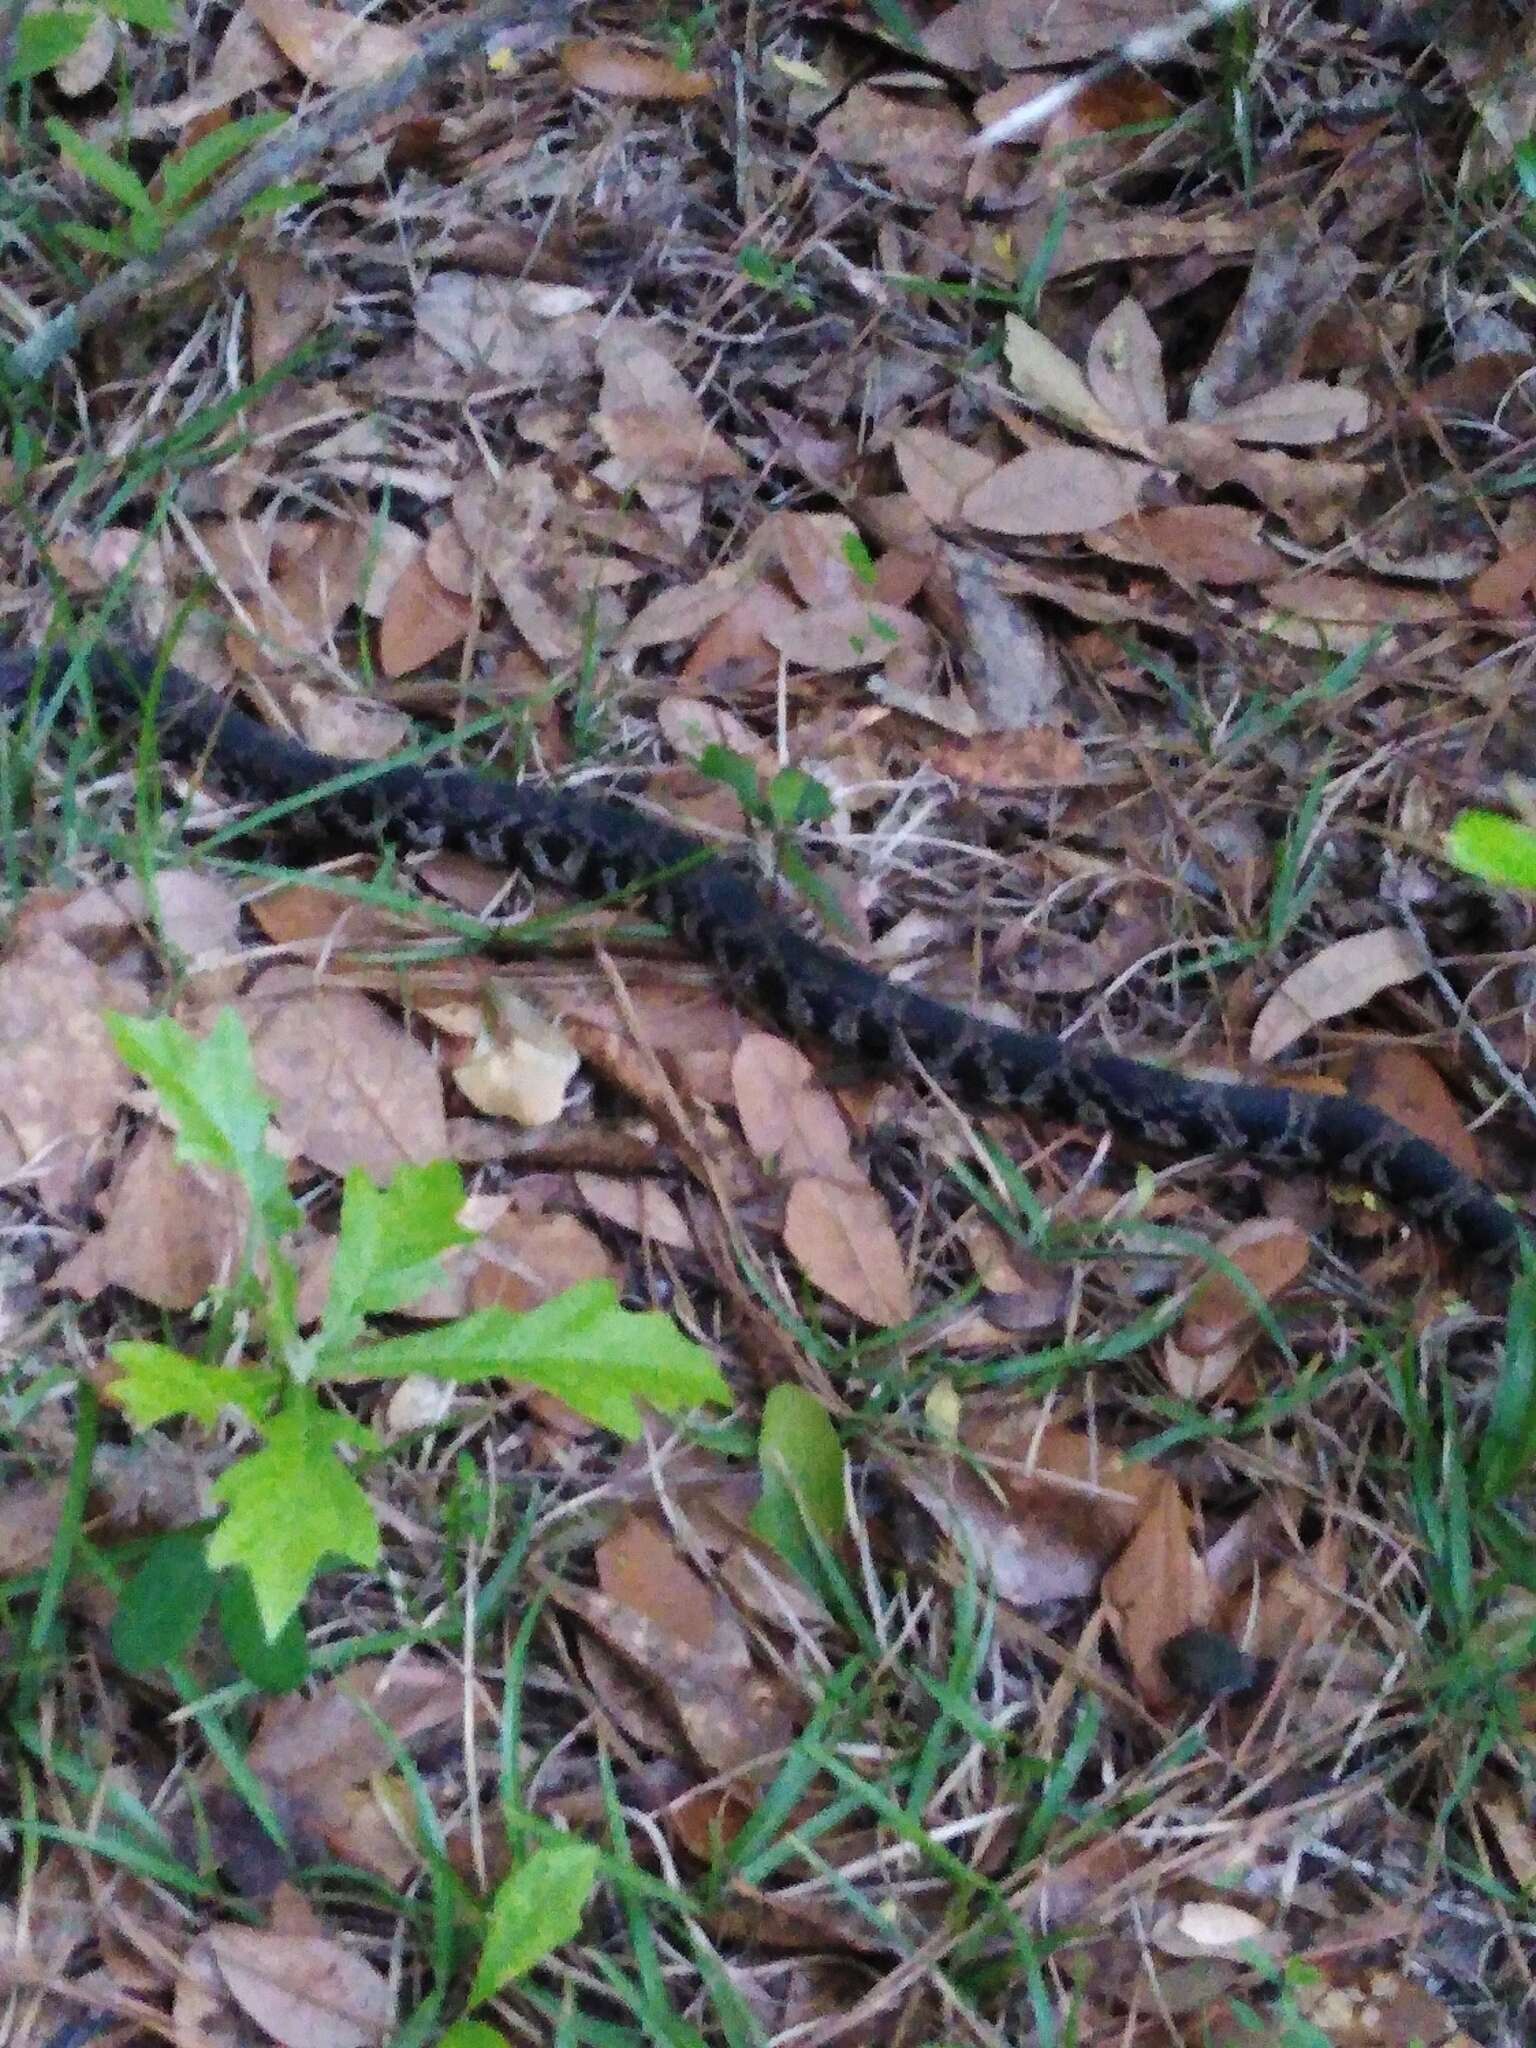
(1340, 978)
(521, 1260)
(332, 48)
(731, 1713)
(303, 1991)
(638, 1205)
(1315, 498)
(64, 1081)
(1302, 1600)
(521, 333)
(1220, 1319)
(1052, 383)
(29, 1523)
(920, 148)
(1359, 601)
(1124, 369)
(791, 1122)
(690, 724)
(296, 614)
(420, 619)
(1304, 414)
(1404, 1086)
(816, 551)
(1368, 2006)
(347, 728)
(1045, 1513)
(289, 303)
(172, 1232)
(325, 1736)
(842, 1240)
(939, 472)
(650, 418)
(851, 634)
(1215, 544)
(619, 71)
(1511, 1828)
(1056, 490)
(512, 528)
(1156, 1589)
(1507, 585)
(1011, 662)
(330, 927)
(1039, 757)
(351, 1087)
(638, 1565)
(685, 609)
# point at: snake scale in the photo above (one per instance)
(594, 846)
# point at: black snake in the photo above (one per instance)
(599, 847)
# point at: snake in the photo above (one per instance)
(603, 847)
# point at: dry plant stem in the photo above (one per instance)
(1515, 1083)
(11, 12)
(1149, 46)
(297, 144)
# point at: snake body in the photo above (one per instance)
(598, 847)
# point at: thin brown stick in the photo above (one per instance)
(343, 115)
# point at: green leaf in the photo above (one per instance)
(858, 558)
(388, 1249)
(802, 1466)
(158, 1382)
(724, 764)
(598, 1357)
(1506, 1452)
(795, 798)
(100, 241)
(164, 1604)
(156, 15)
(534, 1910)
(290, 1505)
(181, 176)
(272, 1664)
(209, 1088)
(800, 875)
(277, 198)
(145, 233)
(94, 163)
(44, 40)
(1495, 848)
(472, 2034)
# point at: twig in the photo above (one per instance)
(274, 163)
(1150, 46)
(1515, 1083)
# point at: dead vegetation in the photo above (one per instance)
(1100, 569)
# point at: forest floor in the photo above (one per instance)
(534, 1510)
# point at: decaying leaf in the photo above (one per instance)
(622, 71)
(1156, 1589)
(841, 1237)
(1055, 490)
(1221, 1319)
(1333, 982)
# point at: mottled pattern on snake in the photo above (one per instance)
(596, 847)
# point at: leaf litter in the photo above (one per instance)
(697, 393)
